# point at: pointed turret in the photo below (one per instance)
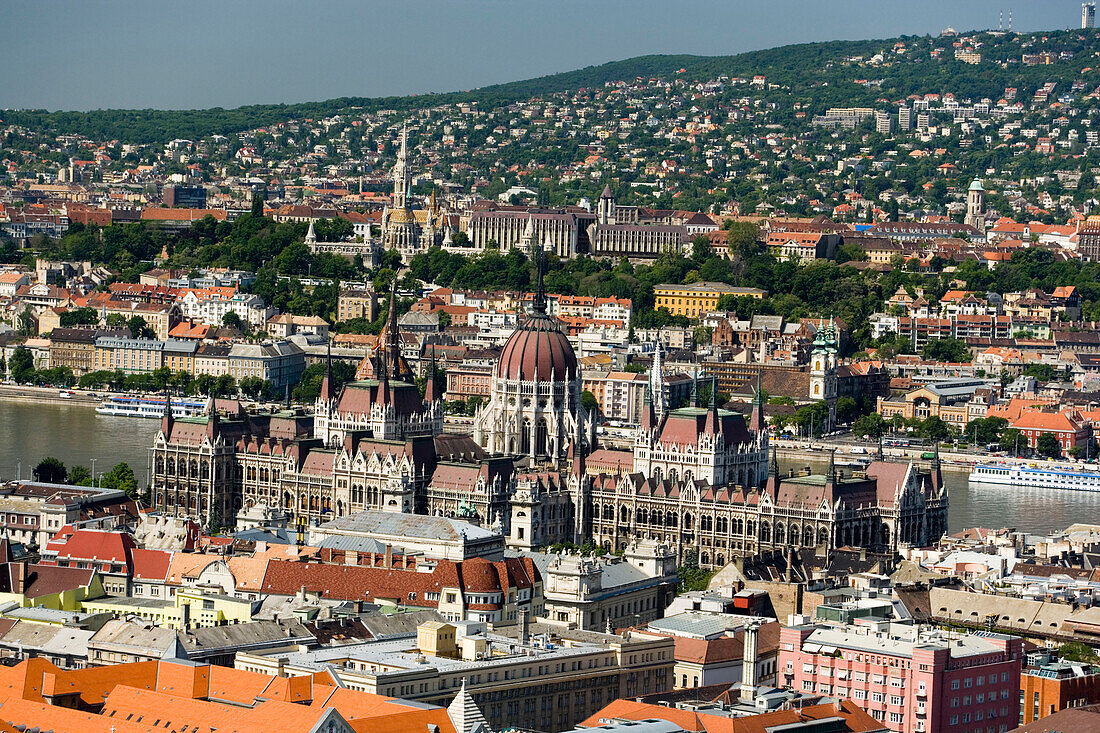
(166, 417)
(432, 391)
(657, 382)
(327, 391)
(831, 476)
(773, 474)
(937, 479)
(539, 303)
(712, 411)
(311, 236)
(757, 423)
(212, 419)
(465, 714)
(649, 415)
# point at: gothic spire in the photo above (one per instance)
(657, 381)
(431, 389)
(326, 382)
(166, 416)
(393, 342)
(773, 465)
(757, 422)
(649, 415)
(539, 304)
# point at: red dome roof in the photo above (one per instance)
(537, 351)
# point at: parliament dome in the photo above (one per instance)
(537, 352)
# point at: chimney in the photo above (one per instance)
(524, 627)
(748, 663)
(185, 616)
(19, 576)
(389, 556)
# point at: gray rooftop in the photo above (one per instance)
(414, 526)
(703, 625)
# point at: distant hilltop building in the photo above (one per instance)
(1088, 15)
(975, 206)
(405, 229)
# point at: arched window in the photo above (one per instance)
(808, 537)
(780, 534)
(765, 532)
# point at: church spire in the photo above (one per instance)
(431, 389)
(166, 416)
(539, 304)
(757, 422)
(326, 382)
(657, 381)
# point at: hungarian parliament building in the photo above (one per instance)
(700, 478)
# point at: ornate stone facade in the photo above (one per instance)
(408, 230)
(534, 409)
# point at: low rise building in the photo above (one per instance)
(1048, 685)
(695, 299)
(909, 678)
(546, 681)
(597, 593)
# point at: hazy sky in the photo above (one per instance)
(76, 54)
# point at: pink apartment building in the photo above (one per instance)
(911, 679)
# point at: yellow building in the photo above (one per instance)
(695, 299)
(38, 589)
(187, 610)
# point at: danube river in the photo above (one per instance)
(76, 434)
(73, 433)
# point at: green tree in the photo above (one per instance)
(1076, 651)
(591, 405)
(50, 470)
(161, 376)
(934, 429)
(1012, 440)
(692, 577)
(120, 478)
(1048, 445)
(139, 328)
(80, 476)
(985, 430)
(232, 320)
(1042, 372)
(22, 365)
(79, 317)
(946, 349)
(253, 387)
(872, 425)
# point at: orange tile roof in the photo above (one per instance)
(855, 719)
(157, 696)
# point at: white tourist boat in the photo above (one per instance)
(1030, 475)
(151, 407)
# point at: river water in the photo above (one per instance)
(76, 434)
(73, 433)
